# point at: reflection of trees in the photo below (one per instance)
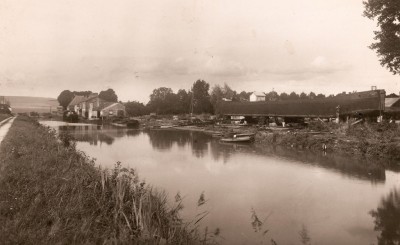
(355, 168)
(94, 134)
(165, 139)
(387, 219)
(223, 151)
(199, 144)
(133, 132)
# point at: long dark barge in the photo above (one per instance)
(366, 103)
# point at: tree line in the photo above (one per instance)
(67, 96)
(200, 98)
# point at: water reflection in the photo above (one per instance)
(166, 139)
(360, 169)
(387, 219)
(201, 144)
(223, 151)
(97, 134)
(350, 167)
(331, 194)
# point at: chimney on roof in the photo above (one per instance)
(373, 87)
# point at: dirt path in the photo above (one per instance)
(4, 127)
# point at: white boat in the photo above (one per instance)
(237, 139)
(245, 134)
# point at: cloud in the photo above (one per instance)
(289, 47)
(219, 66)
(211, 65)
(319, 66)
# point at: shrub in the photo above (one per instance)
(70, 117)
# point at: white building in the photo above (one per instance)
(257, 96)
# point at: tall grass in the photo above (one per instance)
(50, 193)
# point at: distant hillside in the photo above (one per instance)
(27, 104)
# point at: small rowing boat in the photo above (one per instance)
(217, 135)
(245, 134)
(237, 139)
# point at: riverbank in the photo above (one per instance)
(366, 140)
(53, 194)
(362, 140)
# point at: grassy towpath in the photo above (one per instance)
(5, 125)
(50, 193)
(4, 117)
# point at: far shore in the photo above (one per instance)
(370, 140)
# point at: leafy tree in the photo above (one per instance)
(228, 92)
(201, 97)
(65, 98)
(312, 95)
(108, 95)
(244, 96)
(171, 104)
(284, 96)
(134, 108)
(184, 99)
(320, 96)
(387, 13)
(272, 96)
(303, 96)
(217, 94)
(294, 96)
(163, 101)
(235, 96)
(82, 93)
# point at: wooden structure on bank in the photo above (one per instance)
(5, 109)
(367, 103)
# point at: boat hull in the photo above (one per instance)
(237, 139)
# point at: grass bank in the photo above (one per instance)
(52, 194)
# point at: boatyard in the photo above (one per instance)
(187, 122)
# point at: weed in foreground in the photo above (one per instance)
(53, 194)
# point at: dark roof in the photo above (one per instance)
(77, 99)
(259, 94)
(361, 102)
(81, 98)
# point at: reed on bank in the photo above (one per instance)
(372, 140)
(53, 194)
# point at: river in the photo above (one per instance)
(255, 194)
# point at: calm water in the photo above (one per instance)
(332, 197)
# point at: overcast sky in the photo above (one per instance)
(135, 46)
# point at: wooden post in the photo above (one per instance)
(337, 113)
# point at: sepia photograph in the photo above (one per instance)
(204, 122)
